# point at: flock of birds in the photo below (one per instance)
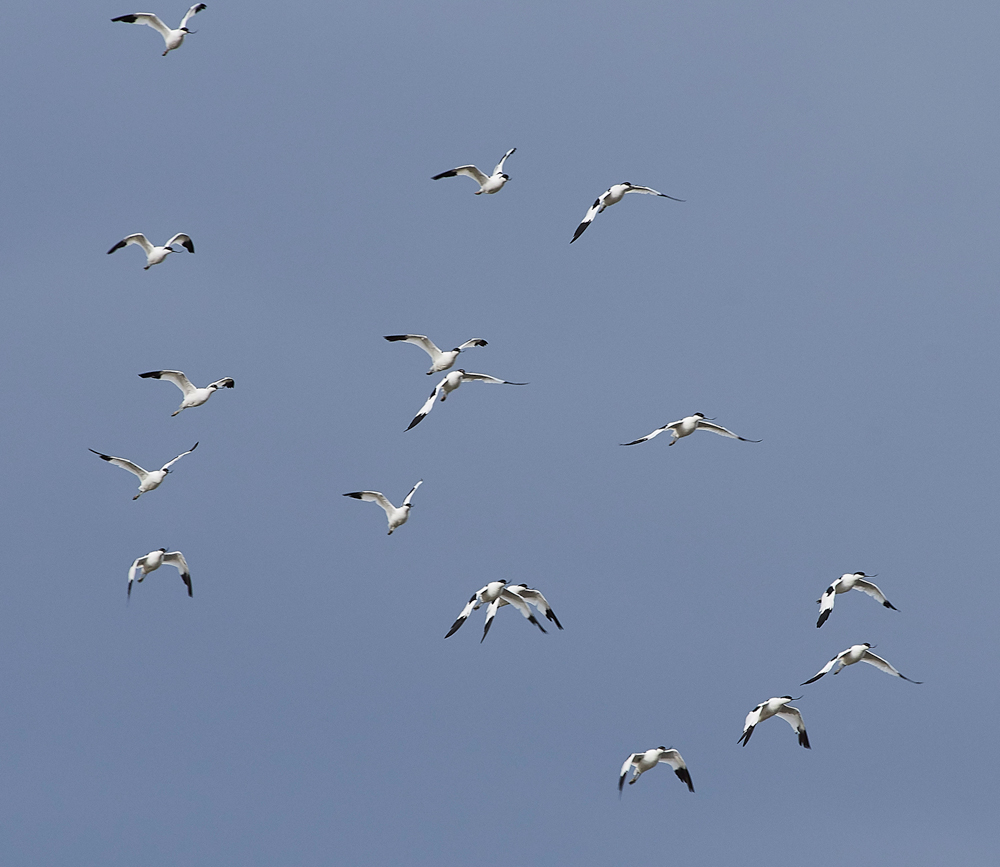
(495, 594)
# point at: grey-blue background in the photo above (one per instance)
(829, 286)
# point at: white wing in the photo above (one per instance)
(476, 341)
(882, 665)
(468, 171)
(124, 464)
(715, 428)
(149, 19)
(225, 382)
(175, 460)
(625, 767)
(655, 433)
(536, 599)
(175, 376)
(180, 238)
(131, 575)
(194, 10)
(499, 169)
(176, 558)
(588, 218)
(792, 716)
(482, 377)
(428, 405)
(420, 340)
(409, 496)
(873, 591)
(634, 188)
(469, 608)
(510, 597)
(373, 497)
(139, 238)
(824, 669)
(753, 718)
(676, 761)
(826, 603)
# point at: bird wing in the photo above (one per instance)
(175, 460)
(131, 575)
(882, 665)
(873, 591)
(373, 497)
(824, 669)
(177, 377)
(124, 464)
(624, 771)
(426, 344)
(468, 171)
(471, 606)
(225, 382)
(536, 599)
(676, 761)
(182, 239)
(655, 433)
(490, 614)
(633, 188)
(409, 496)
(826, 602)
(482, 377)
(588, 218)
(792, 716)
(428, 405)
(194, 10)
(511, 597)
(499, 169)
(476, 341)
(138, 238)
(176, 558)
(751, 721)
(719, 429)
(147, 18)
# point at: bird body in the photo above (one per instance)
(172, 38)
(447, 385)
(687, 426)
(193, 396)
(152, 561)
(846, 582)
(778, 707)
(857, 653)
(487, 184)
(642, 762)
(612, 196)
(148, 479)
(397, 517)
(155, 255)
(440, 360)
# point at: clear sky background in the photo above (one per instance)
(829, 286)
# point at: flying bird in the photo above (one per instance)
(397, 517)
(536, 599)
(439, 360)
(447, 385)
(612, 196)
(192, 396)
(153, 561)
(844, 583)
(778, 707)
(642, 762)
(687, 426)
(497, 594)
(492, 184)
(857, 653)
(148, 480)
(155, 255)
(173, 38)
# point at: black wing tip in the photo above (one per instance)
(822, 619)
(804, 740)
(888, 604)
(154, 374)
(128, 19)
(685, 777)
(392, 337)
(103, 457)
(415, 422)
(448, 174)
(355, 494)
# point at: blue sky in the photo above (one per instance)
(829, 286)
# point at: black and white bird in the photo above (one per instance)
(148, 480)
(857, 653)
(193, 396)
(687, 426)
(153, 561)
(612, 196)
(397, 517)
(440, 359)
(155, 255)
(642, 762)
(173, 38)
(534, 597)
(492, 184)
(497, 594)
(447, 385)
(852, 581)
(778, 707)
